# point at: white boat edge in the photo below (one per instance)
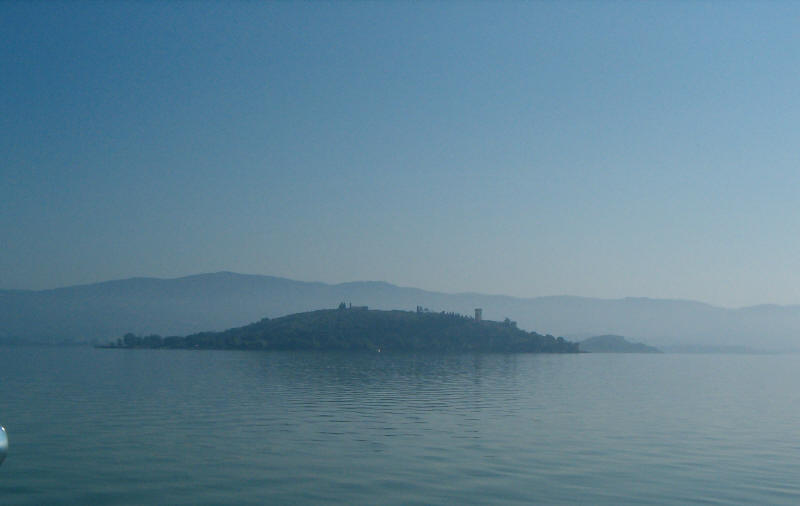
(3, 444)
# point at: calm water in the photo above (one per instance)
(181, 427)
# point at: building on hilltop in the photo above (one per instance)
(478, 314)
(351, 306)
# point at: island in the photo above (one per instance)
(614, 344)
(360, 328)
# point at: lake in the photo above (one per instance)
(93, 426)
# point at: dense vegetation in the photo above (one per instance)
(363, 329)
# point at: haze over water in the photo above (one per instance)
(597, 149)
(175, 427)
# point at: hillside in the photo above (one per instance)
(363, 329)
(614, 344)
(224, 300)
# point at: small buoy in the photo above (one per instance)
(3, 444)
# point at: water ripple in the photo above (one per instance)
(183, 427)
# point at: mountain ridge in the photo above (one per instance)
(224, 299)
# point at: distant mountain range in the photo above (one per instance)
(223, 300)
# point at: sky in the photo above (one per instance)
(602, 149)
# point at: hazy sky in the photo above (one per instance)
(590, 148)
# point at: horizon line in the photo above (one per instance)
(466, 293)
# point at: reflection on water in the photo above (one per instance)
(183, 427)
